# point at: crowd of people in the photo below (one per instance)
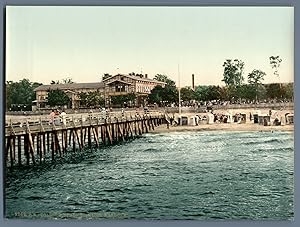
(197, 104)
(57, 117)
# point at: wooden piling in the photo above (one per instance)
(39, 143)
(19, 150)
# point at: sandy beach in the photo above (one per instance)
(250, 126)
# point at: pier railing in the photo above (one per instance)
(20, 125)
(29, 141)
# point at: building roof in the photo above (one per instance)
(120, 81)
(73, 86)
(138, 78)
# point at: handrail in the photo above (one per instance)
(48, 123)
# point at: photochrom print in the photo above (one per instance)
(149, 113)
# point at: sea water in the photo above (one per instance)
(186, 175)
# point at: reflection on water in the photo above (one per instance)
(191, 175)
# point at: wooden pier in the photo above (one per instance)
(30, 142)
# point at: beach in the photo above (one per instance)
(250, 126)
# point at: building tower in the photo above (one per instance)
(193, 82)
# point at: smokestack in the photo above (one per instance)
(193, 82)
(146, 76)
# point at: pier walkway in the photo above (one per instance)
(33, 140)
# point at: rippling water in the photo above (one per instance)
(191, 175)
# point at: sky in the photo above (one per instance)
(82, 43)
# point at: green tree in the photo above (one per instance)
(233, 72)
(92, 98)
(274, 91)
(164, 78)
(20, 93)
(255, 78)
(106, 76)
(156, 95)
(213, 92)
(288, 91)
(58, 98)
(245, 91)
(201, 93)
(67, 81)
(83, 98)
(187, 94)
(123, 100)
(275, 63)
(55, 82)
(163, 95)
(223, 93)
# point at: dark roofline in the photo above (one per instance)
(136, 78)
(70, 86)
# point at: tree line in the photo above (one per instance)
(234, 89)
(20, 95)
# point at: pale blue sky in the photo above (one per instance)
(45, 43)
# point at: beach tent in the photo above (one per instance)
(229, 117)
(184, 120)
(264, 120)
(210, 118)
(255, 116)
(282, 120)
(192, 121)
(290, 118)
(243, 117)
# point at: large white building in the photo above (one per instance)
(115, 85)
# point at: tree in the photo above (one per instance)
(213, 92)
(123, 100)
(164, 78)
(156, 95)
(245, 91)
(233, 72)
(92, 98)
(20, 94)
(105, 76)
(161, 96)
(55, 82)
(255, 79)
(63, 81)
(223, 93)
(165, 95)
(58, 98)
(67, 81)
(275, 63)
(201, 93)
(187, 94)
(288, 91)
(274, 90)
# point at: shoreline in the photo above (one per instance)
(230, 127)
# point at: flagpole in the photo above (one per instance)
(179, 95)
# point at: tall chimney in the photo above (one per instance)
(146, 76)
(193, 82)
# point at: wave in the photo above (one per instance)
(151, 150)
(207, 193)
(274, 140)
(35, 198)
(113, 190)
(260, 150)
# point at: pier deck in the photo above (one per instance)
(35, 140)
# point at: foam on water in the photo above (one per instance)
(190, 175)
